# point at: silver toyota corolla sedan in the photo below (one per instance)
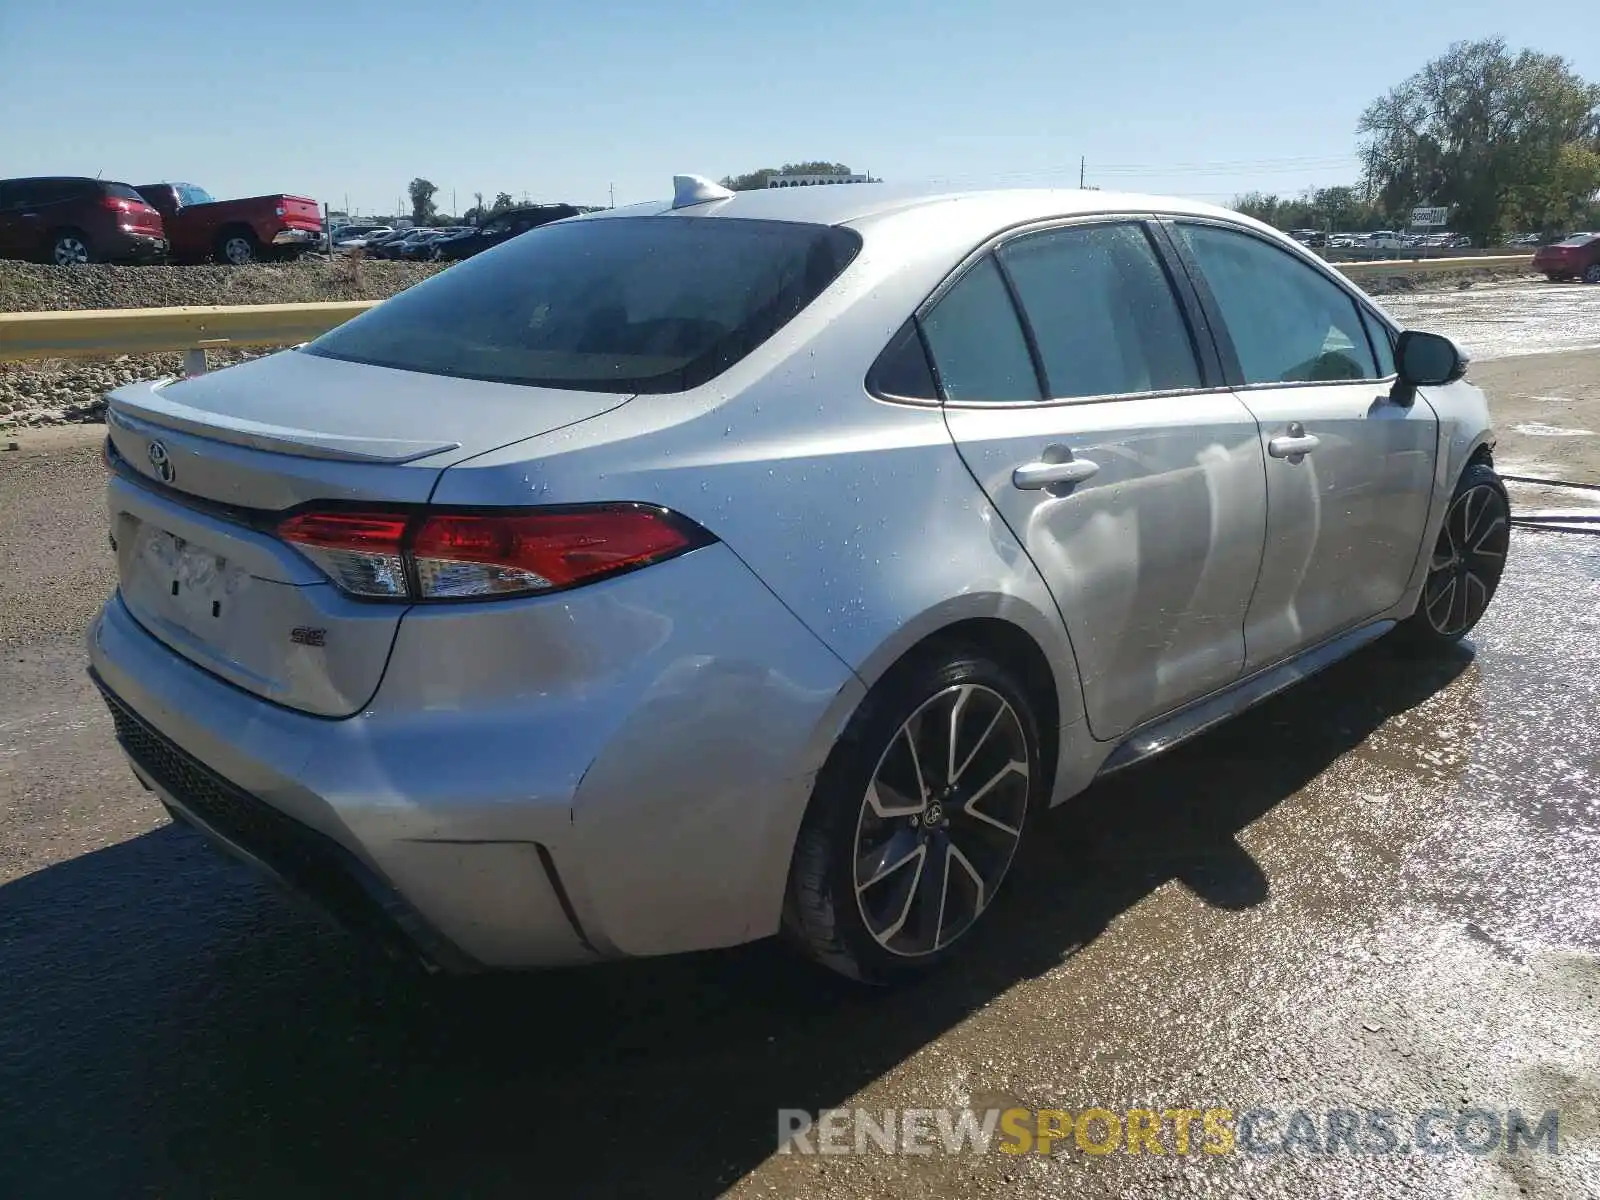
(692, 572)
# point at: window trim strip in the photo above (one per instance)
(1217, 359)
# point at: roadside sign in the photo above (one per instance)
(1430, 216)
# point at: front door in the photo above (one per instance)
(1349, 472)
(1074, 391)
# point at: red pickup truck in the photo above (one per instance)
(257, 229)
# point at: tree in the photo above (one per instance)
(502, 201)
(1343, 209)
(422, 192)
(754, 181)
(1336, 209)
(1484, 131)
(1258, 205)
(1560, 199)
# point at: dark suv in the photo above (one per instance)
(68, 220)
(502, 226)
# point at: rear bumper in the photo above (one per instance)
(297, 237)
(123, 246)
(299, 858)
(610, 772)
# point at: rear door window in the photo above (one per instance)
(615, 304)
(54, 191)
(977, 343)
(1102, 311)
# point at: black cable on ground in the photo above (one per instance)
(1549, 522)
(1560, 483)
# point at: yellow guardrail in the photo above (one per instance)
(101, 332)
(1399, 266)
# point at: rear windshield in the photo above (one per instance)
(1579, 239)
(121, 191)
(619, 304)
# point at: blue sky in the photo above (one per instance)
(562, 101)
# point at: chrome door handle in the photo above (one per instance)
(1031, 477)
(1293, 447)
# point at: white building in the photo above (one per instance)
(814, 180)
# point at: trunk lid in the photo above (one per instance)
(204, 468)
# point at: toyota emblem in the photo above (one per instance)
(160, 461)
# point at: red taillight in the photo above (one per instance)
(346, 531)
(362, 552)
(455, 556)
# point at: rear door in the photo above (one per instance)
(1349, 472)
(1098, 425)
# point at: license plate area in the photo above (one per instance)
(186, 583)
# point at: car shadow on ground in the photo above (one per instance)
(170, 1027)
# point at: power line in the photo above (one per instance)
(1064, 176)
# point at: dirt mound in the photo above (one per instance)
(60, 392)
(33, 287)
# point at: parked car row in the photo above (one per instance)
(69, 220)
(412, 244)
(1388, 239)
(447, 243)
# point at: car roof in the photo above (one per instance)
(857, 203)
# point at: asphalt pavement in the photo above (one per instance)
(1375, 893)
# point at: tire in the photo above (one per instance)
(938, 858)
(238, 247)
(1592, 275)
(1468, 559)
(71, 248)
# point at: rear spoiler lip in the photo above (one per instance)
(141, 405)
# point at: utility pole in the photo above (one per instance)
(1081, 161)
(613, 195)
(453, 213)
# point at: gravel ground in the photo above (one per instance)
(64, 392)
(30, 287)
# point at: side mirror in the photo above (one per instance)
(1429, 359)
